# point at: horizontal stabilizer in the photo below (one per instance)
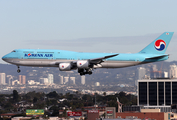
(156, 57)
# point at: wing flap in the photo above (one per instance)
(99, 60)
(105, 57)
(92, 61)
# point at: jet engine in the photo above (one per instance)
(83, 64)
(65, 66)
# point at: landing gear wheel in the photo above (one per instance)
(18, 70)
(82, 73)
(90, 73)
(85, 71)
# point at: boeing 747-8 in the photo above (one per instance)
(86, 62)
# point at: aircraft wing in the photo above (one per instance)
(93, 61)
(99, 60)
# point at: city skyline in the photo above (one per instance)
(109, 81)
(148, 71)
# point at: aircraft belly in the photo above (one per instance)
(118, 64)
(36, 63)
(51, 63)
(32, 62)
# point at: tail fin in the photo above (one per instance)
(159, 45)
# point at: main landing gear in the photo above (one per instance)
(85, 71)
(18, 70)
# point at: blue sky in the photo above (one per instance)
(88, 26)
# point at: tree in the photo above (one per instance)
(122, 94)
(8, 106)
(15, 96)
(104, 93)
(53, 95)
(35, 100)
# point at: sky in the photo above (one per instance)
(121, 26)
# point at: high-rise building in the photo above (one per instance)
(97, 84)
(15, 82)
(165, 74)
(66, 80)
(154, 67)
(83, 80)
(22, 79)
(50, 78)
(2, 78)
(154, 73)
(44, 81)
(61, 80)
(72, 80)
(157, 93)
(9, 80)
(173, 71)
(141, 72)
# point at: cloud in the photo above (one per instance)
(125, 44)
(97, 40)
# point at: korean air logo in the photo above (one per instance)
(38, 55)
(160, 45)
(29, 55)
(63, 66)
(80, 63)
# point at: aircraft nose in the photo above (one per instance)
(4, 58)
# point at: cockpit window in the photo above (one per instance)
(13, 51)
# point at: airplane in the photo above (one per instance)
(85, 63)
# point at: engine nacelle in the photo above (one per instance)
(83, 64)
(65, 66)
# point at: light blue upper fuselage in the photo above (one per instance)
(44, 54)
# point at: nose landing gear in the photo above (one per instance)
(18, 70)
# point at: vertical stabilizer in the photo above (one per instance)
(159, 45)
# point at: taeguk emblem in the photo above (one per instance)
(160, 45)
(29, 54)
